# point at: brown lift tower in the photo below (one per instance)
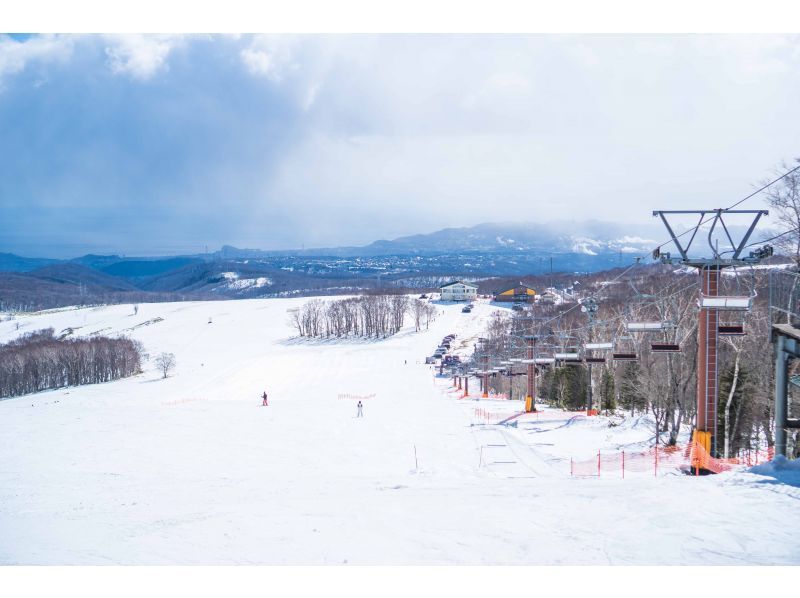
(710, 301)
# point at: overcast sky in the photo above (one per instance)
(167, 144)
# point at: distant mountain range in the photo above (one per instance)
(580, 238)
(415, 262)
(583, 238)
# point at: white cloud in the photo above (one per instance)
(269, 56)
(259, 62)
(16, 55)
(140, 56)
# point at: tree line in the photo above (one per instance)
(368, 316)
(39, 361)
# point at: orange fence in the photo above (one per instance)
(549, 415)
(700, 458)
(664, 458)
(491, 417)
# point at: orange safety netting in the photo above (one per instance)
(489, 417)
(699, 458)
(664, 458)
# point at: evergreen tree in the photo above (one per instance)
(570, 387)
(608, 390)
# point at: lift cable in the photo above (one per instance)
(687, 231)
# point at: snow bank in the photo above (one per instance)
(780, 468)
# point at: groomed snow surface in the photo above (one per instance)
(193, 470)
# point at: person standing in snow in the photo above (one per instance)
(264, 403)
(360, 410)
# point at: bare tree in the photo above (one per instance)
(39, 361)
(784, 199)
(165, 362)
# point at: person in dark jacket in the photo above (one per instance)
(264, 402)
(360, 410)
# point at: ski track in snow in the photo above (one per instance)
(192, 470)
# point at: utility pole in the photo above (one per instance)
(709, 268)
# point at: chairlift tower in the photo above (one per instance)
(485, 376)
(711, 303)
(530, 361)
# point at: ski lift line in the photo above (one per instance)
(622, 316)
(738, 203)
(678, 236)
(788, 232)
(656, 299)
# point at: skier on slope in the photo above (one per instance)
(264, 402)
(360, 410)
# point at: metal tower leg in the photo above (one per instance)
(707, 374)
(530, 400)
(781, 396)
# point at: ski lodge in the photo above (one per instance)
(458, 291)
(518, 294)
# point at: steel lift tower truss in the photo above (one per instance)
(711, 302)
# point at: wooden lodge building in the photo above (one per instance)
(518, 294)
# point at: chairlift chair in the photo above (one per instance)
(731, 330)
(648, 326)
(727, 302)
(625, 357)
(599, 346)
(739, 302)
(665, 348)
(567, 356)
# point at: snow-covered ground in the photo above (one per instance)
(193, 470)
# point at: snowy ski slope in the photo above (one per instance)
(193, 470)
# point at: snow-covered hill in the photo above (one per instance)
(192, 469)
